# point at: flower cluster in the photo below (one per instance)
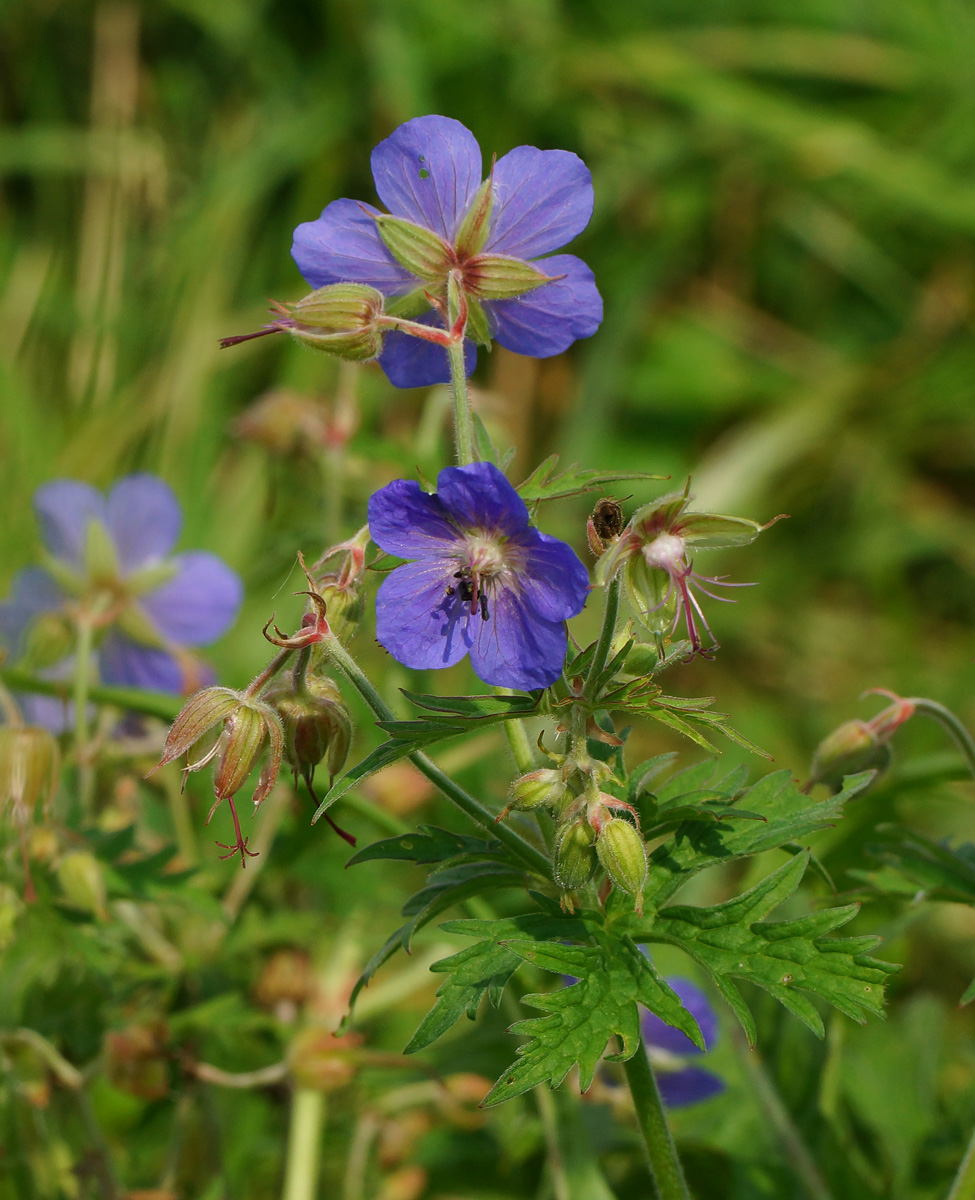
(108, 563)
(445, 223)
(483, 582)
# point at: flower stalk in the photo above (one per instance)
(668, 1175)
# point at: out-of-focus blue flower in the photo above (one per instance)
(108, 562)
(680, 1082)
(484, 582)
(428, 173)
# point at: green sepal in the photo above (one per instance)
(476, 225)
(419, 250)
(545, 484)
(501, 277)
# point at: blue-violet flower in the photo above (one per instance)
(490, 235)
(108, 563)
(483, 582)
(680, 1083)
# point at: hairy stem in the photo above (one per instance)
(82, 679)
(463, 417)
(606, 635)
(304, 1144)
(953, 727)
(527, 854)
(668, 1176)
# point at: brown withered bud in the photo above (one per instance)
(322, 1061)
(136, 1060)
(317, 726)
(605, 524)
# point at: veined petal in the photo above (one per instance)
(33, 592)
(144, 519)
(429, 171)
(548, 320)
(416, 620)
(678, 1089)
(199, 604)
(479, 497)
(65, 508)
(344, 246)
(554, 580)
(516, 647)
(411, 362)
(406, 521)
(542, 199)
(125, 663)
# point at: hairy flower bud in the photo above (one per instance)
(623, 855)
(30, 766)
(538, 789)
(339, 318)
(575, 856)
(317, 726)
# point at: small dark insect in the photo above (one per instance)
(607, 519)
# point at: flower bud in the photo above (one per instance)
(537, 789)
(83, 882)
(340, 319)
(623, 855)
(850, 748)
(241, 744)
(321, 1061)
(30, 766)
(419, 250)
(135, 1060)
(317, 726)
(575, 856)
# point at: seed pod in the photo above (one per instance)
(30, 766)
(316, 723)
(575, 856)
(339, 318)
(623, 855)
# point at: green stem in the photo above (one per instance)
(524, 851)
(665, 1167)
(304, 1144)
(950, 724)
(606, 635)
(520, 746)
(463, 417)
(82, 679)
(259, 682)
(964, 1186)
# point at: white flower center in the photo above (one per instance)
(665, 552)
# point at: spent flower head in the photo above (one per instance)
(654, 552)
(108, 563)
(483, 581)
(447, 223)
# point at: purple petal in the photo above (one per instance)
(549, 319)
(412, 362)
(33, 592)
(405, 520)
(64, 509)
(554, 581)
(144, 519)
(126, 663)
(657, 1033)
(344, 246)
(479, 497)
(429, 171)
(542, 199)
(417, 622)
(690, 1086)
(515, 647)
(199, 604)
(55, 713)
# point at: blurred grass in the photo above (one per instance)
(785, 201)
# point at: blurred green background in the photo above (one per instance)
(785, 204)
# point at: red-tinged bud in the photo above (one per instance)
(854, 746)
(341, 587)
(242, 742)
(340, 319)
(538, 789)
(317, 726)
(30, 767)
(199, 714)
(623, 855)
(419, 250)
(575, 856)
(82, 881)
(498, 277)
(136, 1060)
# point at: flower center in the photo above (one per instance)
(665, 552)
(483, 564)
